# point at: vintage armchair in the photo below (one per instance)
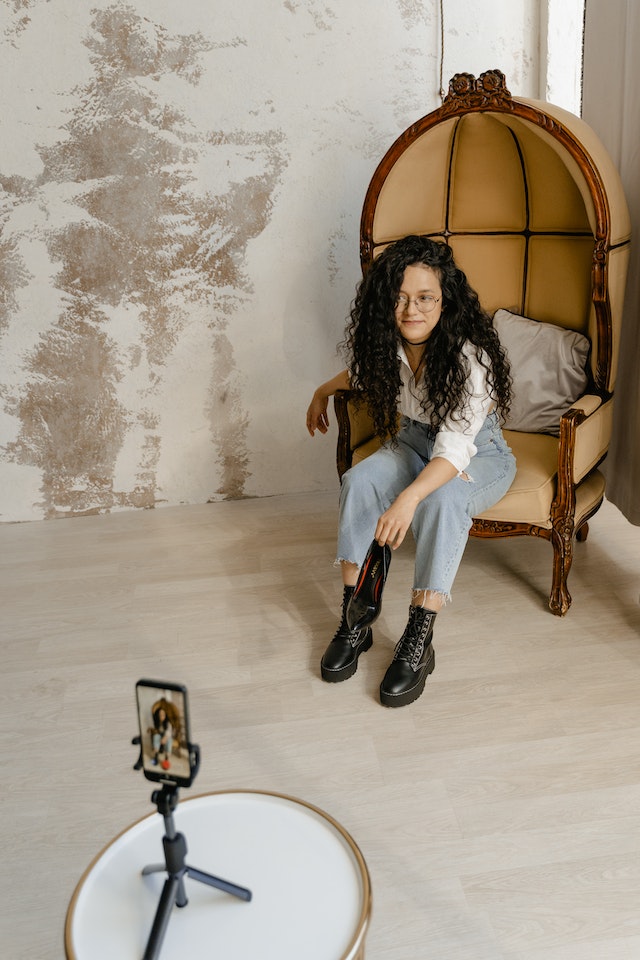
(533, 209)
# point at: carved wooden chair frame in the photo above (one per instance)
(489, 93)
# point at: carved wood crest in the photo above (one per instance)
(466, 92)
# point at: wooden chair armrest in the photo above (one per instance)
(585, 432)
(344, 450)
(354, 428)
(593, 436)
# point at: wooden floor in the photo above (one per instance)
(499, 815)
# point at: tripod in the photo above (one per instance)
(175, 850)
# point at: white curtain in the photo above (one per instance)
(611, 105)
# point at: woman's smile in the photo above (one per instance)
(419, 303)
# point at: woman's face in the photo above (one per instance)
(419, 304)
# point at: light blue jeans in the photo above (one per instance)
(442, 520)
(157, 744)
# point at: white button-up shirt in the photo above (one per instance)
(454, 440)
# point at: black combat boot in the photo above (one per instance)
(413, 660)
(340, 660)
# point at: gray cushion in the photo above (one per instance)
(548, 370)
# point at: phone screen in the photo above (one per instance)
(164, 731)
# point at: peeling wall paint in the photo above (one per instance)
(180, 192)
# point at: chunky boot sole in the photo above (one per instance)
(336, 675)
(411, 693)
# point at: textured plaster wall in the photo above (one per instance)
(180, 192)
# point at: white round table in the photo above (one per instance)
(309, 881)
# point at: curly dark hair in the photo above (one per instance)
(371, 340)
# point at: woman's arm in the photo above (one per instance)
(393, 524)
(317, 416)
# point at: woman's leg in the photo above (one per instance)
(442, 521)
(367, 490)
(440, 527)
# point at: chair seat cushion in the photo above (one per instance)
(531, 493)
(365, 450)
(548, 367)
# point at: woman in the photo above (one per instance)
(162, 739)
(426, 361)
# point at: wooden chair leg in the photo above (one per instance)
(562, 542)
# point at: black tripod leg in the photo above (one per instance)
(181, 895)
(161, 920)
(220, 884)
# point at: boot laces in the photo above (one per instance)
(410, 646)
(352, 636)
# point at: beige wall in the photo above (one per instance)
(180, 192)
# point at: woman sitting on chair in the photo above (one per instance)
(162, 738)
(418, 345)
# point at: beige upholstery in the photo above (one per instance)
(533, 209)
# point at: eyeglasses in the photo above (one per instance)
(425, 303)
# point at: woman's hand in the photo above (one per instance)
(317, 416)
(393, 524)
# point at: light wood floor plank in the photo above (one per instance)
(499, 815)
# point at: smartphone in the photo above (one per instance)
(165, 737)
